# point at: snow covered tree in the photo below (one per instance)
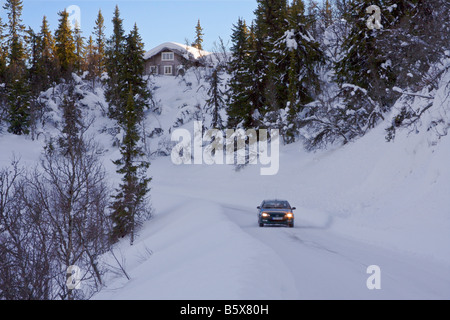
(215, 102)
(302, 57)
(364, 74)
(377, 59)
(270, 25)
(417, 48)
(417, 39)
(239, 108)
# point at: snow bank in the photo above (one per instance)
(190, 250)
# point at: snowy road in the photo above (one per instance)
(207, 249)
(205, 242)
(325, 265)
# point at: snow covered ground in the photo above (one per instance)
(383, 205)
(367, 203)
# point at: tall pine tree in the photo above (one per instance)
(129, 205)
(129, 202)
(240, 108)
(46, 60)
(3, 52)
(215, 102)
(302, 59)
(65, 46)
(270, 25)
(100, 44)
(17, 84)
(198, 36)
(115, 65)
(79, 65)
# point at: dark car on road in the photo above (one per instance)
(275, 212)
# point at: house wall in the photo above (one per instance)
(156, 60)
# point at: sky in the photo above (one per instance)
(158, 20)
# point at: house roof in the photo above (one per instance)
(187, 52)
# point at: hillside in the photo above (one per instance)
(370, 202)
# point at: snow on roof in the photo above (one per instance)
(184, 50)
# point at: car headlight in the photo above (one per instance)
(289, 215)
(265, 215)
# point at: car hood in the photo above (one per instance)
(275, 210)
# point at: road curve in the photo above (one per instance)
(326, 265)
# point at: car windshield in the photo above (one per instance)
(276, 205)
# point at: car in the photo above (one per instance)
(275, 212)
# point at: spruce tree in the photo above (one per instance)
(79, 65)
(17, 84)
(239, 108)
(46, 60)
(16, 55)
(327, 13)
(372, 64)
(127, 73)
(65, 47)
(133, 77)
(2, 54)
(129, 205)
(198, 36)
(19, 106)
(270, 25)
(91, 61)
(115, 65)
(215, 102)
(100, 44)
(70, 140)
(303, 57)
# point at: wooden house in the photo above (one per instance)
(171, 58)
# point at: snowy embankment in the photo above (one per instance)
(203, 241)
(370, 202)
(190, 250)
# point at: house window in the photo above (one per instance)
(167, 56)
(168, 70)
(153, 70)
